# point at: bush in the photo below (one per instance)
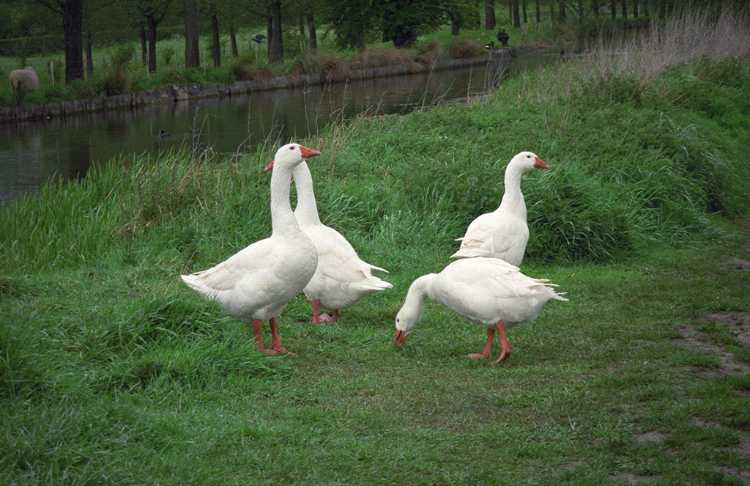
(429, 53)
(115, 83)
(123, 55)
(369, 58)
(466, 49)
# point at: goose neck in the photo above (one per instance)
(306, 211)
(282, 218)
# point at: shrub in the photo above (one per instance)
(168, 55)
(466, 49)
(429, 53)
(368, 58)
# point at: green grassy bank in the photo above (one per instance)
(112, 372)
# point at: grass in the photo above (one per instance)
(111, 371)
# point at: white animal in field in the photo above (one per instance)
(488, 291)
(23, 81)
(256, 283)
(504, 232)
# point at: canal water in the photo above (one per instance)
(31, 153)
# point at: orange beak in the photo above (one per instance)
(399, 338)
(540, 164)
(308, 152)
(268, 167)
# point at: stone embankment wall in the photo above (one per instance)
(174, 93)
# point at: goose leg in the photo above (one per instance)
(317, 317)
(276, 347)
(505, 347)
(258, 333)
(487, 346)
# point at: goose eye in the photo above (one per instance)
(291, 148)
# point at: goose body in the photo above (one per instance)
(258, 281)
(341, 277)
(488, 291)
(504, 232)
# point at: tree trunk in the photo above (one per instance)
(455, 23)
(192, 35)
(624, 9)
(516, 13)
(538, 11)
(72, 39)
(276, 43)
(311, 31)
(581, 11)
(552, 12)
(215, 41)
(489, 15)
(151, 24)
(595, 7)
(269, 35)
(89, 53)
(636, 11)
(144, 49)
(233, 39)
(301, 26)
(525, 12)
(563, 12)
(613, 8)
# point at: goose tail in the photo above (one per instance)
(195, 283)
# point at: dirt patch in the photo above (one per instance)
(631, 478)
(738, 324)
(650, 437)
(728, 365)
(706, 424)
(740, 474)
(739, 264)
(744, 448)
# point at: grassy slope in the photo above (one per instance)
(113, 372)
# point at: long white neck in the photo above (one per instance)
(282, 218)
(513, 197)
(419, 290)
(306, 211)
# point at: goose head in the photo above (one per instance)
(528, 161)
(291, 155)
(406, 319)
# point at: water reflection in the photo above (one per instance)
(31, 153)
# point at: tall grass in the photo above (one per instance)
(689, 36)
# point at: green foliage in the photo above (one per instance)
(123, 56)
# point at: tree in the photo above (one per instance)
(192, 34)
(538, 11)
(613, 8)
(516, 13)
(153, 12)
(624, 9)
(489, 15)
(215, 37)
(72, 18)
(595, 6)
(563, 13)
(525, 12)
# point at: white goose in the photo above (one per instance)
(257, 282)
(486, 290)
(503, 233)
(342, 278)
